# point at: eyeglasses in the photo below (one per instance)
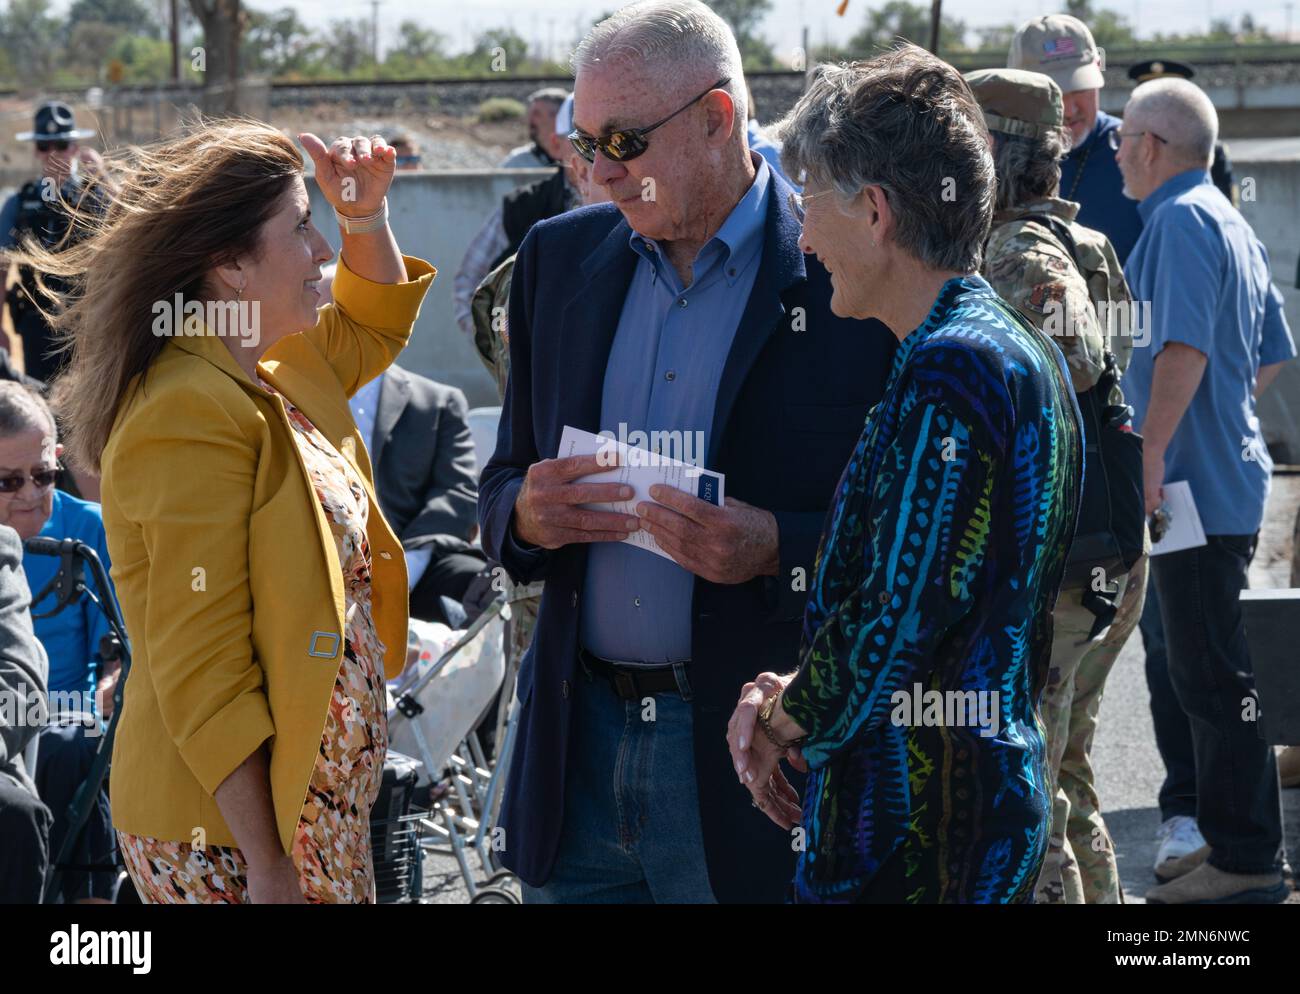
(43, 478)
(54, 146)
(799, 202)
(1114, 137)
(407, 160)
(627, 144)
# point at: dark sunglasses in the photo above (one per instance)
(43, 478)
(55, 146)
(627, 144)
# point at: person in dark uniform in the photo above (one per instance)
(1221, 168)
(39, 210)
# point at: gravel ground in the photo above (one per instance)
(1128, 767)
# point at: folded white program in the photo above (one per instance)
(640, 469)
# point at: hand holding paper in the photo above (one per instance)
(549, 511)
(683, 514)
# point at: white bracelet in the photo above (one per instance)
(360, 225)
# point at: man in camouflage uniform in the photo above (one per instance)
(489, 308)
(1029, 262)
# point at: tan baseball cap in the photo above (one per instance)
(1017, 102)
(1060, 46)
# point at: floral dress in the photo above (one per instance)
(331, 846)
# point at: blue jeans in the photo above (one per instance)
(1238, 802)
(1173, 730)
(631, 807)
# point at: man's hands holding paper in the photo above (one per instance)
(728, 544)
(548, 511)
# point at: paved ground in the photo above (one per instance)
(1129, 772)
(1128, 767)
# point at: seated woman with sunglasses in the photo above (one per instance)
(30, 505)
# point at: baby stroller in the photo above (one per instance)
(436, 710)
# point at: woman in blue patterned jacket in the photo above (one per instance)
(928, 626)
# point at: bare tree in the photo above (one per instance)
(223, 24)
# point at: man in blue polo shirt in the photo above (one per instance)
(1207, 278)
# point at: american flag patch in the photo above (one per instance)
(1059, 46)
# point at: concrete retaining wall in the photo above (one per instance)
(434, 215)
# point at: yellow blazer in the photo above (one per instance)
(228, 576)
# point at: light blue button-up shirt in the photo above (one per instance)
(663, 372)
(1207, 279)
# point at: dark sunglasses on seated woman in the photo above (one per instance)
(628, 143)
(43, 478)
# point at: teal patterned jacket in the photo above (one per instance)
(938, 570)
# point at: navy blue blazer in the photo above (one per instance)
(791, 404)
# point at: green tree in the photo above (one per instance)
(89, 43)
(497, 47)
(1111, 30)
(346, 47)
(745, 17)
(146, 60)
(996, 38)
(900, 19)
(277, 43)
(421, 44)
(33, 38)
(129, 16)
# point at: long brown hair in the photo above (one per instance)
(175, 209)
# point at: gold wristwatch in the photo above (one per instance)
(765, 722)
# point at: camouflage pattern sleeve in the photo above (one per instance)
(1035, 274)
(489, 310)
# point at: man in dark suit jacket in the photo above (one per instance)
(423, 455)
(620, 786)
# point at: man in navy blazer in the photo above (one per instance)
(693, 309)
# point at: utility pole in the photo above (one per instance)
(374, 33)
(175, 32)
(1288, 7)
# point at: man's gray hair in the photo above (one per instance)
(684, 38)
(1179, 112)
(907, 122)
(22, 408)
(553, 95)
(1028, 169)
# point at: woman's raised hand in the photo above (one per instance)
(353, 173)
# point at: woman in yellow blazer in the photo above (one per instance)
(264, 594)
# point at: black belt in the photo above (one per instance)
(632, 683)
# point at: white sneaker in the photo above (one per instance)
(1176, 837)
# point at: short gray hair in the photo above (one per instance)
(1181, 113)
(1028, 169)
(553, 95)
(685, 37)
(907, 122)
(22, 408)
